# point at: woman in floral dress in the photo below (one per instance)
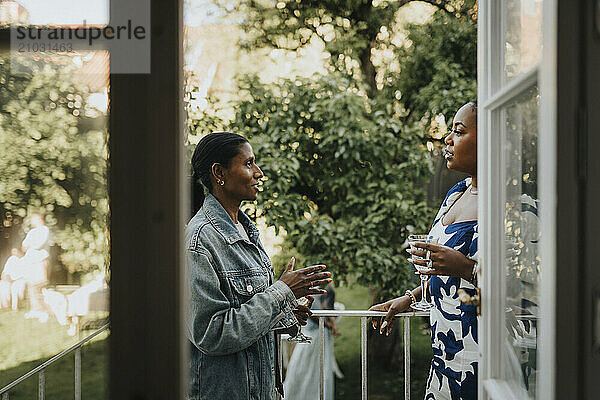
(453, 371)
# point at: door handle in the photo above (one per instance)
(474, 300)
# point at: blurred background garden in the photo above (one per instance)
(346, 104)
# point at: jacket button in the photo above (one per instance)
(249, 287)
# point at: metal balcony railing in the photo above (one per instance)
(364, 316)
(41, 369)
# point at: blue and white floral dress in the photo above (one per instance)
(453, 372)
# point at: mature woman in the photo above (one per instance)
(453, 372)
(234, 304)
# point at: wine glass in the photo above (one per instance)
(423, 304)
(300, 337)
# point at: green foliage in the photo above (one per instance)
(281, 259)
(438, 70)
(343, 177)
(341, 24)
(54, 158)
(437, 63)
(346, 165)
(349, 29)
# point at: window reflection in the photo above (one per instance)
(54, 228)
(521, 238)
(523, 36)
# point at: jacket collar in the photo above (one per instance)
(223, 223)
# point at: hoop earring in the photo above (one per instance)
(221, 182)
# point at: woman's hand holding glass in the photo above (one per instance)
(442, 260)
(302, 312)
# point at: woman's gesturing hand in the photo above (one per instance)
(305, 281)
(392, 307)
(444, 260)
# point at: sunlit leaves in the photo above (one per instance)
(349, 28)
(346, 165)
(54, 160)
(438, 70)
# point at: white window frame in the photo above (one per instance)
(494, 93)
(547, 178)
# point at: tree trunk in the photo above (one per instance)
(368, 69)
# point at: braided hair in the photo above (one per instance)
(217, 147)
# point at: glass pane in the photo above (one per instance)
(523, 36)
(54, 231)
(521, 238)
(55, 12)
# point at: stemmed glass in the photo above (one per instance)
(423, 304)
(300, 337)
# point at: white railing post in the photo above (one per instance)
(364, 315)
(5, 396)
(78, 373)
(363, 356)
(321, 358)
(406, 358)
(280, 339)
(42, 385)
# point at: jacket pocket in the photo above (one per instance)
(244, 287)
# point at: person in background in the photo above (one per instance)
(36, 266)
(453, 371)
(12, 284)
(234, 306)
(37, 237)
(304, 366)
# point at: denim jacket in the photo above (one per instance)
(233, 308)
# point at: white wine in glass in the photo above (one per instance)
(423, 304)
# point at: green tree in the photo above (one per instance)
(347, 166)
(342, 176)
(350, 29)
(438, 70)
(54, 159)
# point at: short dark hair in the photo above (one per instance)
(473, 105)
(216, 147)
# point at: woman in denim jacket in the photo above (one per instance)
(234, 305)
